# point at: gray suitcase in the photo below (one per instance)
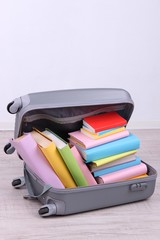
(62, 111)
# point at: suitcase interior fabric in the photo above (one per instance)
(64, 120)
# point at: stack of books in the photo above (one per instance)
(108, 148)
(102, 151)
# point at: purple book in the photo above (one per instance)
(27, 148)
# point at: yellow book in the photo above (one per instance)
(97, 136)
(141, 176)
(102, 161)
(51, 153)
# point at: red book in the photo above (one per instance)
(104, 121)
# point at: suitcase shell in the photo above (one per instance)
(62, 111)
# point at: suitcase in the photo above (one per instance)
(62, 111)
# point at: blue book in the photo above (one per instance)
(112, 148)
(105, 131)
(117, 167)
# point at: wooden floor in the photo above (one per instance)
(19, 218)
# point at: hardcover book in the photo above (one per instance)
(28, 149)
(117, 167)
(85, 142)
(100, 122)
(89, 177)
(124, 174)
(129, 158)
(101, 134)
(112, 158)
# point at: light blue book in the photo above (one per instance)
(117, 167)
(108, 130)
(112, 148)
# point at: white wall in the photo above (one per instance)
(47, 45)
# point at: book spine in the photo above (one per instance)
(122, 145)
(123, 174)
(112, 158)
(117, 167)
(86, 172)
(73, 166)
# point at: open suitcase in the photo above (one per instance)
(62, 111)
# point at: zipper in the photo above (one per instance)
(73, 119)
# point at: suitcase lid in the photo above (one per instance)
(69, 106)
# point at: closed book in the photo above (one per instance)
(89, 177)
(28, 149)
(124, 174)
(117, 167)
(51, 153)
(96, 136)
(68, 158)
(93, 168)
(112, 148)
(112, 158)
(100, 122)
(85, 142)
(140, 176)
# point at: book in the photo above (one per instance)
(124, 174)
(112, 148)
(101, 134)
(68, 158)
(112, 158)
(51, 153)
(103, 121)
(140, 176)
(28, 149)
(85, 142)
(94, 168)
(117, 167)
(89, 177)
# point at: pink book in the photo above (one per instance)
(27, 148)
(123, 174)
(85, 142)
(90, 179)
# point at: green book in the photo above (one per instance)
(68, 158)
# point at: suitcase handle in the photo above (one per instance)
(45, 210)
(32, 196)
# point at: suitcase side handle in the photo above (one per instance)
(31, 194)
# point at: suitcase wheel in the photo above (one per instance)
(47, 210)
(8, 149)
(18, 182)
(8, 107)
(14, 106)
